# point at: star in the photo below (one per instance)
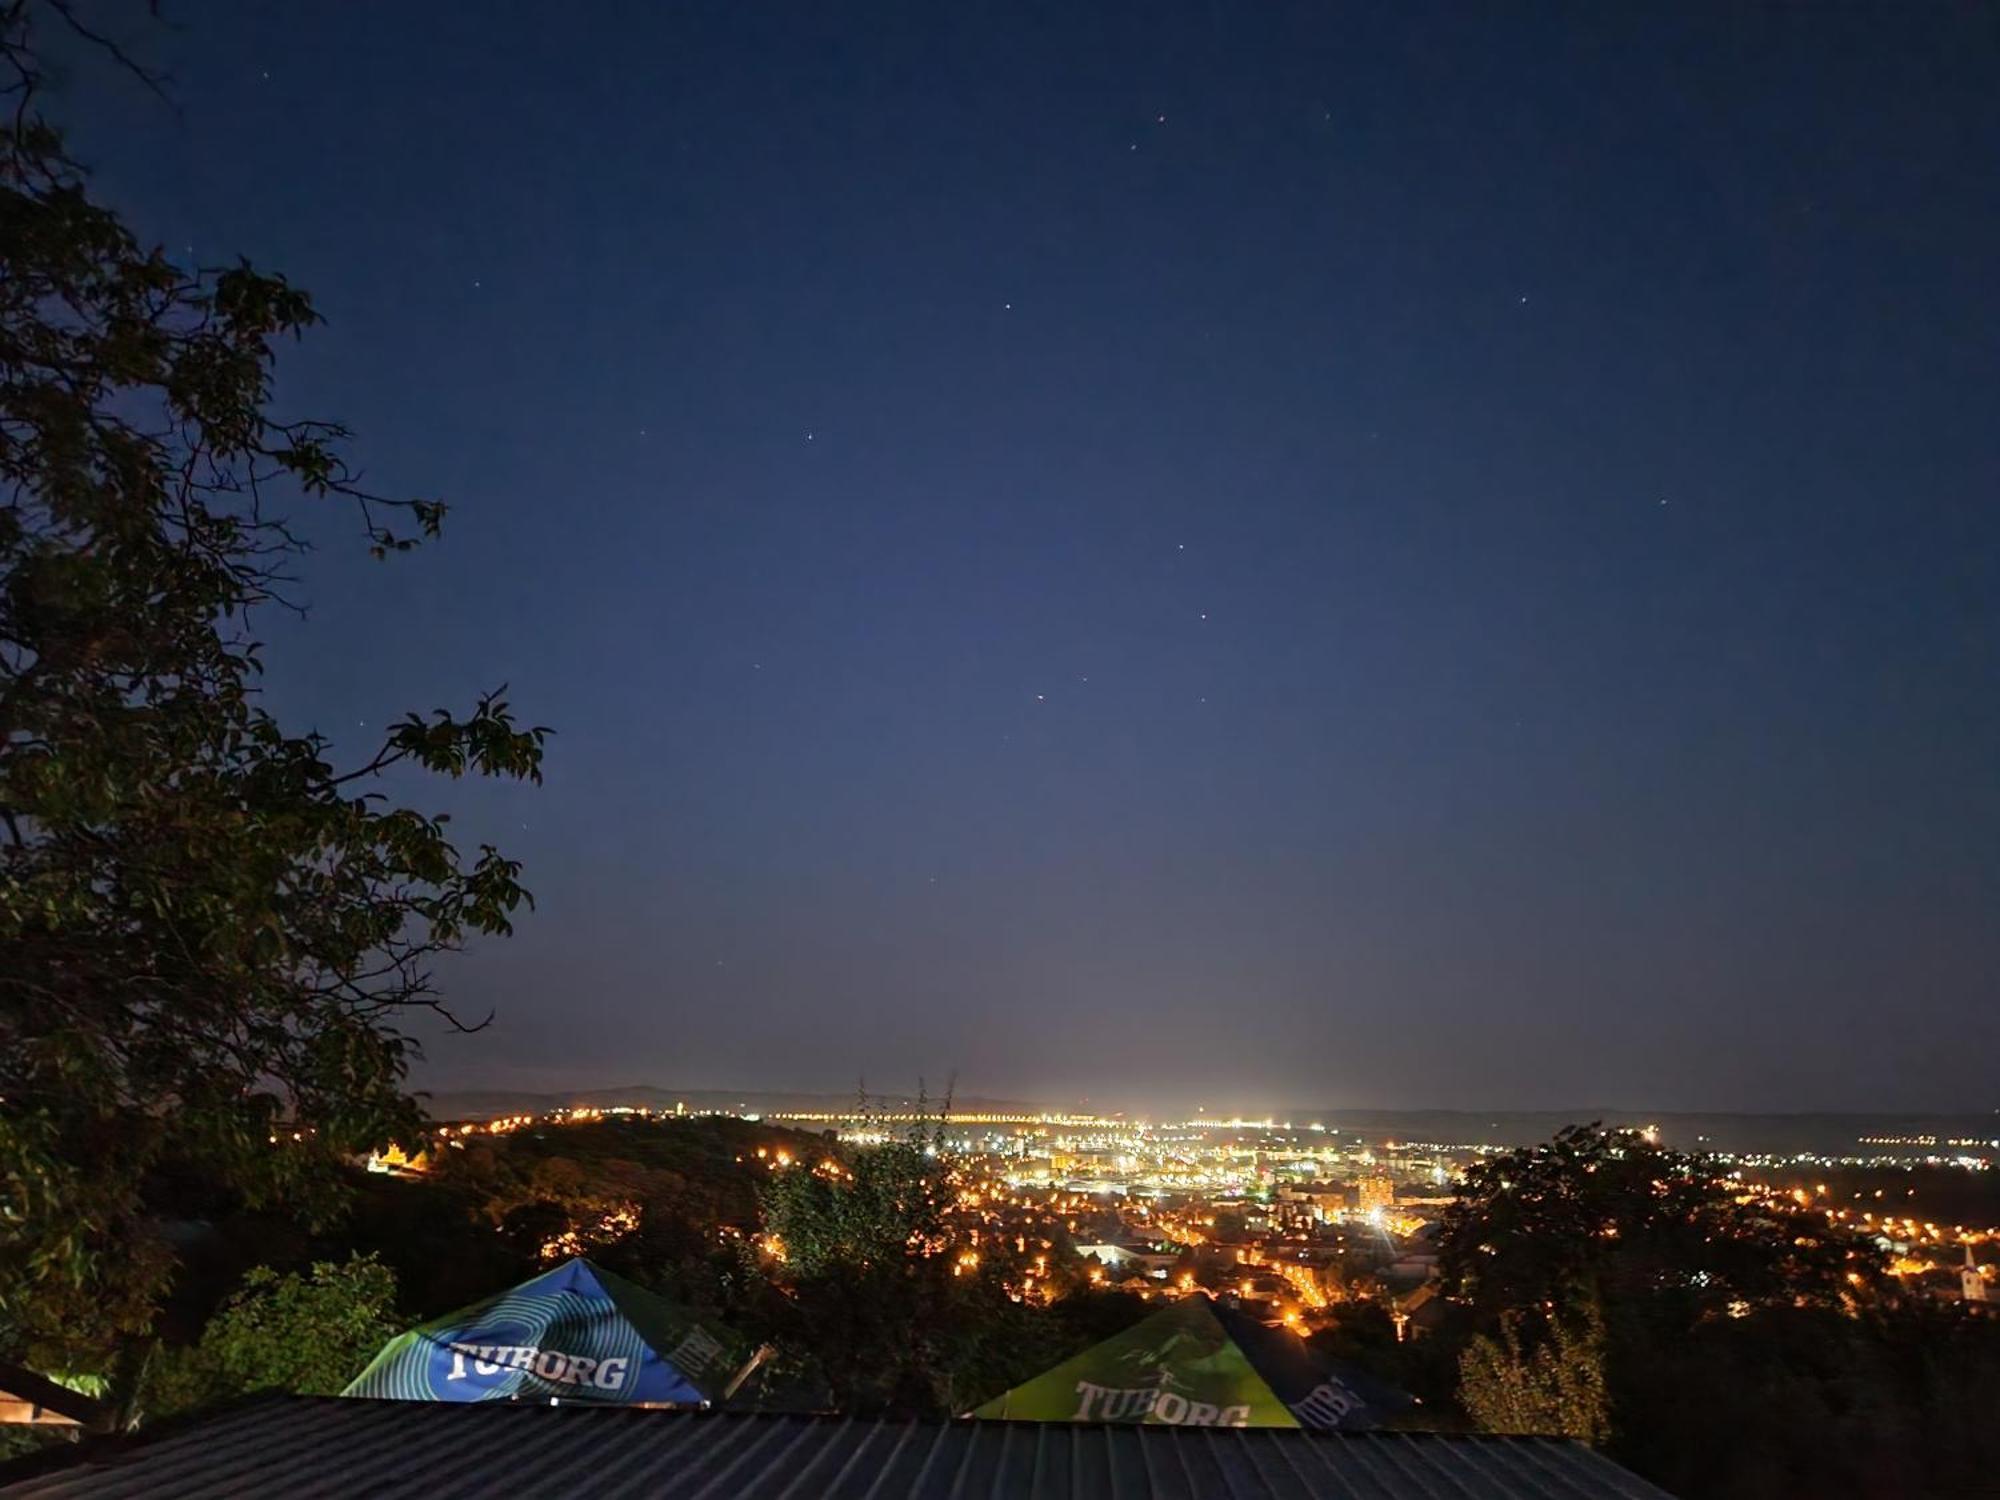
(1041, 698)
(1204, 616)
(809, 437)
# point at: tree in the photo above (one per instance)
(1231, 1224)
(910, 1337)
(865, 1268)
(210, 935)
(887, 1203)
(306, 1334)
(1557, 1388)
(1635, 1295)
(1640, 1228)
(1897, 1400)
(531, 1227)
(560, 1207)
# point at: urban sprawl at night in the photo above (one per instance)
(1290, 1218)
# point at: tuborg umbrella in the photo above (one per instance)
(1198, 1364)
(576, 1333)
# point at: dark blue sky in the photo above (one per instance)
(1225, 553)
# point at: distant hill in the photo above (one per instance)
(485, 1104)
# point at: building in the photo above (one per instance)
(1377, 1194)
(395, 1161)
(1417, 1266)
(1130, 1259)
(1971, 1284)
(1319, 1202)
(422, 1450)
(1418, 1313)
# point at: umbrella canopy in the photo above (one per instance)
(1320, 1393)
(1198, 1365)
(576, 1333)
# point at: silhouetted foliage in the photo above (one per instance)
(867, 1286)
(435, 1236)
(209, 932)
(1806, 1401)
(308, 1334)
(1557, 1387)
(1747, 1350)
(1636, 1225)
(908, 1336)
(887, 1204)
(661, 1202)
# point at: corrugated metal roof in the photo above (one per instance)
(309, 1446)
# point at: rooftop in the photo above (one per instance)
(439, 1451)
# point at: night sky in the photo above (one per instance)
(1241, 554)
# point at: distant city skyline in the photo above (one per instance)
(1157, 1105)
(1940, 1141)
